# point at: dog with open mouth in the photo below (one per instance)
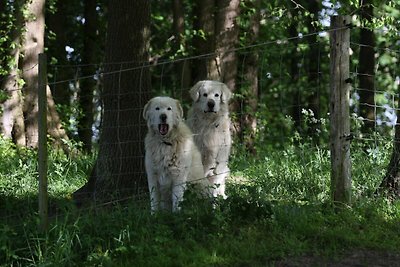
(172, 160)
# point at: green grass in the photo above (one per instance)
(278, 207)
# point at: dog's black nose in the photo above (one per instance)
(163, 117)
(211, 104)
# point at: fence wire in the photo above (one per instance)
(282, 93)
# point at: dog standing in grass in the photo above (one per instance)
(210, 123)
(172, 160)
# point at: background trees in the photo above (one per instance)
(270, 53)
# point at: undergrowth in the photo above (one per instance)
(278, 206)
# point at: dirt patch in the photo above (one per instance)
(358, 258)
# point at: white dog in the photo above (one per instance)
(209, 120)
(172, 159)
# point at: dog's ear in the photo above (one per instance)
(195, 91)
(146, 109)
(226, 94)
(179, 110)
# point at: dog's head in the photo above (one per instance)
(210, 96)
(162, 114)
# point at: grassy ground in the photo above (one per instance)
(278, 210)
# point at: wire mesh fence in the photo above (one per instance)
(291, 100)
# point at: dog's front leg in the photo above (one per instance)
(154, 192)
(221, 172)
(208, 160)
(165, 192)
(179, 183)
(177, 195)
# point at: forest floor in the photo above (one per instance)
(356, 258)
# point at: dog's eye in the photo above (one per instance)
(205, 95)
(157, 108)
(169, 108)
(216, 95)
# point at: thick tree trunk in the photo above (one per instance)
(366, 75)
(205, 67)
(88, 85)
(12, 120)
(119, 169)
(227, 39)
(183, 68)
(54, 126)
(217, 21)
(251, 61)
(33, 45)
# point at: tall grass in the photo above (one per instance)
(278, 206)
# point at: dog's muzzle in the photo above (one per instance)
(210, 106)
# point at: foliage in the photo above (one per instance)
(278, 207)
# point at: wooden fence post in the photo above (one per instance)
(42, 145)
(340, 136)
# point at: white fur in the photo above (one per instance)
(211, 128)
(172, 160)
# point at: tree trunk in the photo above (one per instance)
(297, 104)
(391, 181)
(58, 23)
(227, 39)
(87, 86)
(119, 169)
(205, 67)
(366, 73)
(33, 45)
(251, 61)
(313, 99)
(183, 68)
(3, 31)
(12, 120)
(54, 126)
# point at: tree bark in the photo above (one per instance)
(227, 39)
(366, 75)
(313, 99)
(87, 85)
(251, 61)
(12, 119)
(183, 68)
(33, 45)
(119, 169)
(217, 21)
(54, 125)
(205, 66)
(4, 10)
(391, 181)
